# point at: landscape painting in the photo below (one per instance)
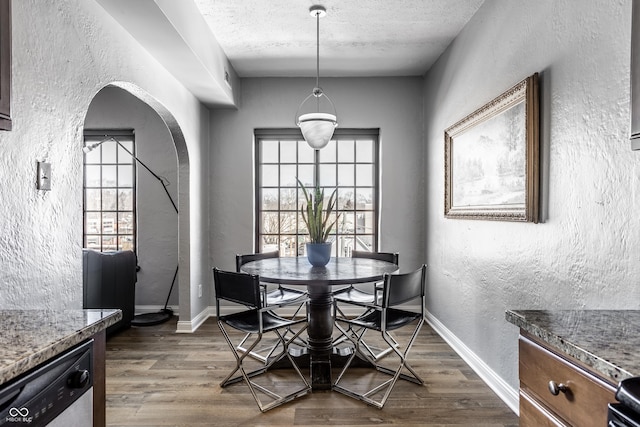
(491, 159)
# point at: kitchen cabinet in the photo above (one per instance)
(571, 361)
(556, 390)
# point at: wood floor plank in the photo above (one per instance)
(157, 378)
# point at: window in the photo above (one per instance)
(109, 192)
(349, 163)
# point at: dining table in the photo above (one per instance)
(320, 281)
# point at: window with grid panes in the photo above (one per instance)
(109, 192)
(349, 163)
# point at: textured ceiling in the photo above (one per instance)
(357, 37)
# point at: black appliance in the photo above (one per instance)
(627, 412)
(58, 393)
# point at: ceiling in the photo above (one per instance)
(277, 38)
(209, 44)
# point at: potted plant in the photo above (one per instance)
(319, 224)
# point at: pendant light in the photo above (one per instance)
(317, 128)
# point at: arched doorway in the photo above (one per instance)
(162, 236)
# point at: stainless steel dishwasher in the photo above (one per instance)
(57, 393)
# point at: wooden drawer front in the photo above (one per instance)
(584, 403)
(532, 414)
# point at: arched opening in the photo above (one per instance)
(162, 234)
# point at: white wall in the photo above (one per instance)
(392, 104)
(584, 253)
(63, 54)
(157, 228)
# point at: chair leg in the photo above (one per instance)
(351, 356)
(246, 376)
(396, 374)
(256, 354)
(380, 354)
(375, 353)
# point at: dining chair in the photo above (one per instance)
(351, 294)
(255, 319)
(271, 297)
(397, 289)
(355, 296)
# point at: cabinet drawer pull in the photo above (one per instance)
(555, 388)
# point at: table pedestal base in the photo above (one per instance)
(320, 369)
(320, 331)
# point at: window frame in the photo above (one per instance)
(290, 134)
(90, 136)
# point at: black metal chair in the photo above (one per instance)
(397, 289)
(255, 320)
(355, 296)
(275, 296)
(271, 298)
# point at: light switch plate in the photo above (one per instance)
(44, 176)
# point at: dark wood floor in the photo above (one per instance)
(156, 377)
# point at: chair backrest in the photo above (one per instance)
(245, 258)
(401, 288)
(237, 287)
(392, 257)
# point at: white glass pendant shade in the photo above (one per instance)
(317, 128)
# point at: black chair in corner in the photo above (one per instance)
(397, 289)
(272, 298)
(255, 320)
(354, 296)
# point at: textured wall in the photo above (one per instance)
(63, 54)
(392, 104)
(157, 232)
(584, 253)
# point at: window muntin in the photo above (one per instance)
(109, 193)
(348, 163)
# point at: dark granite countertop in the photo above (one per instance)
(605, 340)
(30, 337)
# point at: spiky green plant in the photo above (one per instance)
(315, 216)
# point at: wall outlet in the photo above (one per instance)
(200, 290)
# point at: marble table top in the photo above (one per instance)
(339, 271)
(30, 337)
(608, 341)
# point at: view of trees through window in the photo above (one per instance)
(348, 164)
(109, 192)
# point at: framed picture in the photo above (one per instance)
(491, 159)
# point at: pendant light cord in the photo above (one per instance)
(318, 57)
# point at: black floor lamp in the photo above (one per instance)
(145, 319)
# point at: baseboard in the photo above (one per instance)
(190, 326)
(505, 392)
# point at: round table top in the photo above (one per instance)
(339, 271)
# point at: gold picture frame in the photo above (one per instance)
(492, 159)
